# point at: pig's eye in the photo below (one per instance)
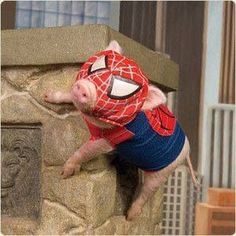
(121, 88)
(99, 64)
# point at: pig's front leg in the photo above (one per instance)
(57, 97)
(86, 152)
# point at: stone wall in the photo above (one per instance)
(95, 200)
(38, 137)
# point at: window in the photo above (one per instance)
(30, 14)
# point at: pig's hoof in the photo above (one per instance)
(133, 212)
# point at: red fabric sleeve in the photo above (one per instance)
(95, 132)
(117, 135)
(114, 135)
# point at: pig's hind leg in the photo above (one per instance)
(153, 180)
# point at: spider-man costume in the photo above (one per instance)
(152, 139)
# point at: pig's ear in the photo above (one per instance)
(114, 46)
(154, 98)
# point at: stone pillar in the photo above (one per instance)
(38, 137)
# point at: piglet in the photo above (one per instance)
(124, 112)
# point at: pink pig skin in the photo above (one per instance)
(91, 149)
(83, 95)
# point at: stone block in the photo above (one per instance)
(20, 171)
(20, 108)
(18, 226)
(60, 79)
(37, 81)
(69, 45)
(20, 77)
(141, 226)
(108, 228)
(90, 195)
(156, 205)
(61, 138)
(99, 163)
(118, 225)
(56, 219)
(94, 200)
(7, 89)
(157, 230)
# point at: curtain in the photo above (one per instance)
(227, 86)
(31, 14)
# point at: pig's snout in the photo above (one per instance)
(84, 94)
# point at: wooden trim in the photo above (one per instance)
(160, 26)
(231, 85)
(232, 64)
(227, 80)
(8, 15)
(210, 81)
(202, 86)
(184, 36)
(137, 21)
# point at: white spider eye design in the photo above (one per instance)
(121, 88)
(99, 64)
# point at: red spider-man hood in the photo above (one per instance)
(121, 86)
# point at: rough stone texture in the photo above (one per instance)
(18, 226)
(66, 45)
(120, 226)
(6, 88)
(99, 163)
(94, 200)
(91, 196)
(20, 77)
(157, 230)
(60, 143)
(59, 80)
(20, 171)
(156, 204)
(58, 220)
(20, 108)
(37, 81)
